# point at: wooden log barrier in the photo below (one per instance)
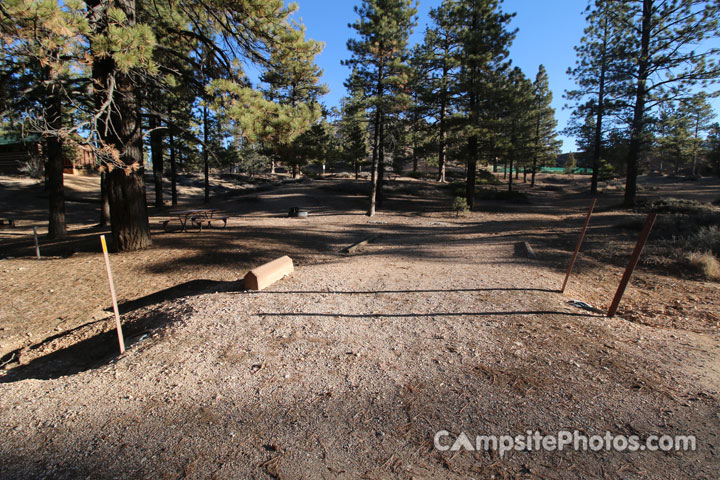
(269, 273)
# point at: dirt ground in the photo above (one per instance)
(348, 368)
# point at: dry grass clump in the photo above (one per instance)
(705, 263)
(686, 233)
(676, 206)
(707, 239)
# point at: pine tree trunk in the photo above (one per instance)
(695, 145)
(104, 200)
(206, 160)
(510, 177)
(156, 146)
(599, 115)
(54, 172)
(471, 171)
(126, 190)
(638, 122)
(441, 152)
(173, 170)
(374, 167)
(376, 147)
(535, 155)
(534, 170)
(380, 196)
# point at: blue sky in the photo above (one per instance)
(547, 32)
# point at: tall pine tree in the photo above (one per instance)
(378, 56)
(545, 142)
(670, 59)
(481, 32)
(601, 72)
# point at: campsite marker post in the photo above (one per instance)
(579, 244)
(644, 235)
(37, 245)
(112, 292)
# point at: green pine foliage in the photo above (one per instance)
(379, 57)
(480, 29)
(601, 75)
(546, 145)
(667, 61)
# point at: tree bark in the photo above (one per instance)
(104, 200)
(55, 180)
(125, 186)
(374, 166)
(535, 154)
(695, 147)
(638, 122)
(381, 166)
(510, 177)
(206, 160)
(443, 136)
(156, 145)
(599, 115)
(173, 169)
(376, 147)
(471, 171)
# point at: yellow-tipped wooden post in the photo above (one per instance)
(269, 273)
(121, 340)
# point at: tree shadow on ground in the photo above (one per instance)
(187, 289)
(101, 348)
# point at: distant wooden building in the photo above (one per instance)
(84, 161)
(17, 152)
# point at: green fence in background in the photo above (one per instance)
(582, 171)
(558, 170)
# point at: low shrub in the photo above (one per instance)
(485, 177)
(704, 263)
(460, 206)
(675, 206)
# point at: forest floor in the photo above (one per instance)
(349, 367)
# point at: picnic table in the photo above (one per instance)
(198, 217)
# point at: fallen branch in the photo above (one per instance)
(354, 247)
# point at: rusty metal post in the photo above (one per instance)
(579, 244)
(632, 264)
